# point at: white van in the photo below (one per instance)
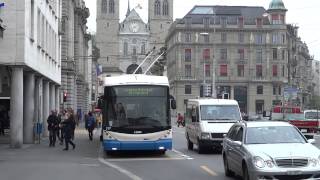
(207, 120)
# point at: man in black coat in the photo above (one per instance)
(68, 128)
(53, 127)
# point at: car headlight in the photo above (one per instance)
(259, 162)
(313, 162)
(205, 135)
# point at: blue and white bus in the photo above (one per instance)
(136, 113)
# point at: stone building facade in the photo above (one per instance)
(30, 66)
(74, 55)
(242, 50)
(123, 45)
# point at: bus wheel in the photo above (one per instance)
(162, 152)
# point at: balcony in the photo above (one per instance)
(241, 61)
(259, 79)
(185, 78)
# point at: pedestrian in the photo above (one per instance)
(90, 125)
(67, 127)
(53, 126)
(99, 120)
(180, 120)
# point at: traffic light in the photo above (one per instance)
(64, 96)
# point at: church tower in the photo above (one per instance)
(160, 13)
(107, 32)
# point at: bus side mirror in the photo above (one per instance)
(173, 104)
(100, 102)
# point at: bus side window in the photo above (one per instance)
(197, 114)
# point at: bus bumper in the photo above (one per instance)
(114, 145)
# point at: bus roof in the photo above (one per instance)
(211, 101)
(311, 110)
(135, 79)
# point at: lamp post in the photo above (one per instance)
(213, 88)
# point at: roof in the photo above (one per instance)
(266, 123)
(110, 69)
(211, 101)
(276, 5)
(249, 14)
(136, 79)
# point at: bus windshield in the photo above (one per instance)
(220, 112)
(138, 108)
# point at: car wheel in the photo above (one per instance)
(201, 148)
(190, 144)
(227, 171)
(245, 173)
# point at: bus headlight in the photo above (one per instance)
(205, 135)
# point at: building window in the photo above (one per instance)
(134, 51)
(188, 37)
(259, 56)
(143, 48)
(157, 8)
(240, 22)
(282, 19)
(206, 54)
(111, 6)
(223, 37)
(283, 54)
(279, 90)
(104, 6)
(187, 55)
(240, 70)
(223, 54)
(274, 53)
(206, 38)
(259, 89)
(275, 19)
(223, 22)
(165, 7)
(125, 48)
(187, 71)
(259, 70)
(274, 70)
(188, 22)
(259, 39)
(274, 90)
(224, 70)
(241, 37)
(187, 89)
(283, 38)
(259, 106)
(283, 71)
(207, 70)
(275, 38)
(241, 54)
(259, 22)
(32, 20)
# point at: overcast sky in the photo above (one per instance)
(302, 13)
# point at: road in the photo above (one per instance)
(87, 161)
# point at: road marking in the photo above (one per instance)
(181, 154)
(90, 165)
(145, 159)
(209, 171)
(118, 168)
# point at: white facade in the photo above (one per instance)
(316, 77)
(30, 65)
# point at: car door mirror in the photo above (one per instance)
(311, 141)
(237, 143)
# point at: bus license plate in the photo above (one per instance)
(304, 130)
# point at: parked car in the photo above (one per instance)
(269, 150)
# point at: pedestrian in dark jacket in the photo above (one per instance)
(67, 127)
(90, 125)
(53, 127)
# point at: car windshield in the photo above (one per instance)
(312, 115)
(222, 112)
(273, 135)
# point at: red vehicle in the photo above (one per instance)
(295, 116)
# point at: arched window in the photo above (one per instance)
(104, 6)
(157, 8)
(111, 6)
(165, 8)
(125, 48)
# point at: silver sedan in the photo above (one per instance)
(269, 150)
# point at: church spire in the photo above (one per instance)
(128, 10)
